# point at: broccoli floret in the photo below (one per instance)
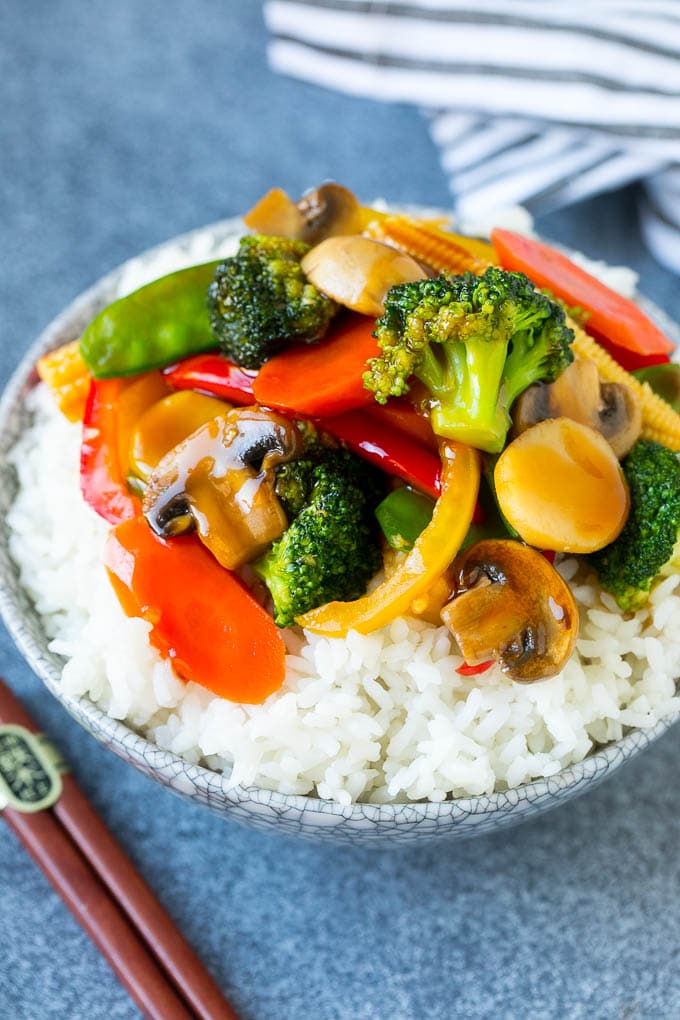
(476, 342)
(331, 547)
(315, 442)
(295, 479)
(647, 546)
(260, 301)
(294, 483)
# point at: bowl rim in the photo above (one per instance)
(130, 744)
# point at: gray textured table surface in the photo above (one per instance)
(123, 124)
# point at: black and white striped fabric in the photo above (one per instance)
(538, 102)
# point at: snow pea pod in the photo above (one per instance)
(152, 327)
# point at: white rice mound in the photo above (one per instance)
(379, 718)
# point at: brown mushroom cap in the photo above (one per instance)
(322, 212)
(609, 408)
(357, 271)
(511, 605)
(219, 481)
(620, 417)
(329, 210)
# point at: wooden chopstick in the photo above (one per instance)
(108, 927)
(99, 884)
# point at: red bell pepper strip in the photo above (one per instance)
(466, 670)
(112, 410)
(203, 618)
(324, 378)
(380, 444)
(402, 416)
(616, 322)
(213, 374)
(395, 452)
(102, 477)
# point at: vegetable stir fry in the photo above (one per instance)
(362, 415)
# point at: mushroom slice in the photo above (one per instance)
(609, 408)
(620, 417)
(219, 481)
(357, 271)
(328, 210)
(510, 604)
(322, 212)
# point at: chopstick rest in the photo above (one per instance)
(30, 770)
(42, 804)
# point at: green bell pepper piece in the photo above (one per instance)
(403, 515)
(502, 528)
(152, 327)
(664, 380)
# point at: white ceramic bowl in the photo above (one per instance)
(307, 816)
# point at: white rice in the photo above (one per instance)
(379, 718)
(382, 717)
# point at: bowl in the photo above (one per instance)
(296, 815)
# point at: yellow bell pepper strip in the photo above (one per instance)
(431, 554)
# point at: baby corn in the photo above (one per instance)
(64, 373)
(659, 421)
(430, 245)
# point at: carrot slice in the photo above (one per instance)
(616, 322)
(203, 618)
(324, 378)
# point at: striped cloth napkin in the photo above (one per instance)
(529, 102)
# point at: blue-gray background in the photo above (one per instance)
(122, 124)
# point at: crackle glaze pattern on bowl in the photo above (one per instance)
(367, 824)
